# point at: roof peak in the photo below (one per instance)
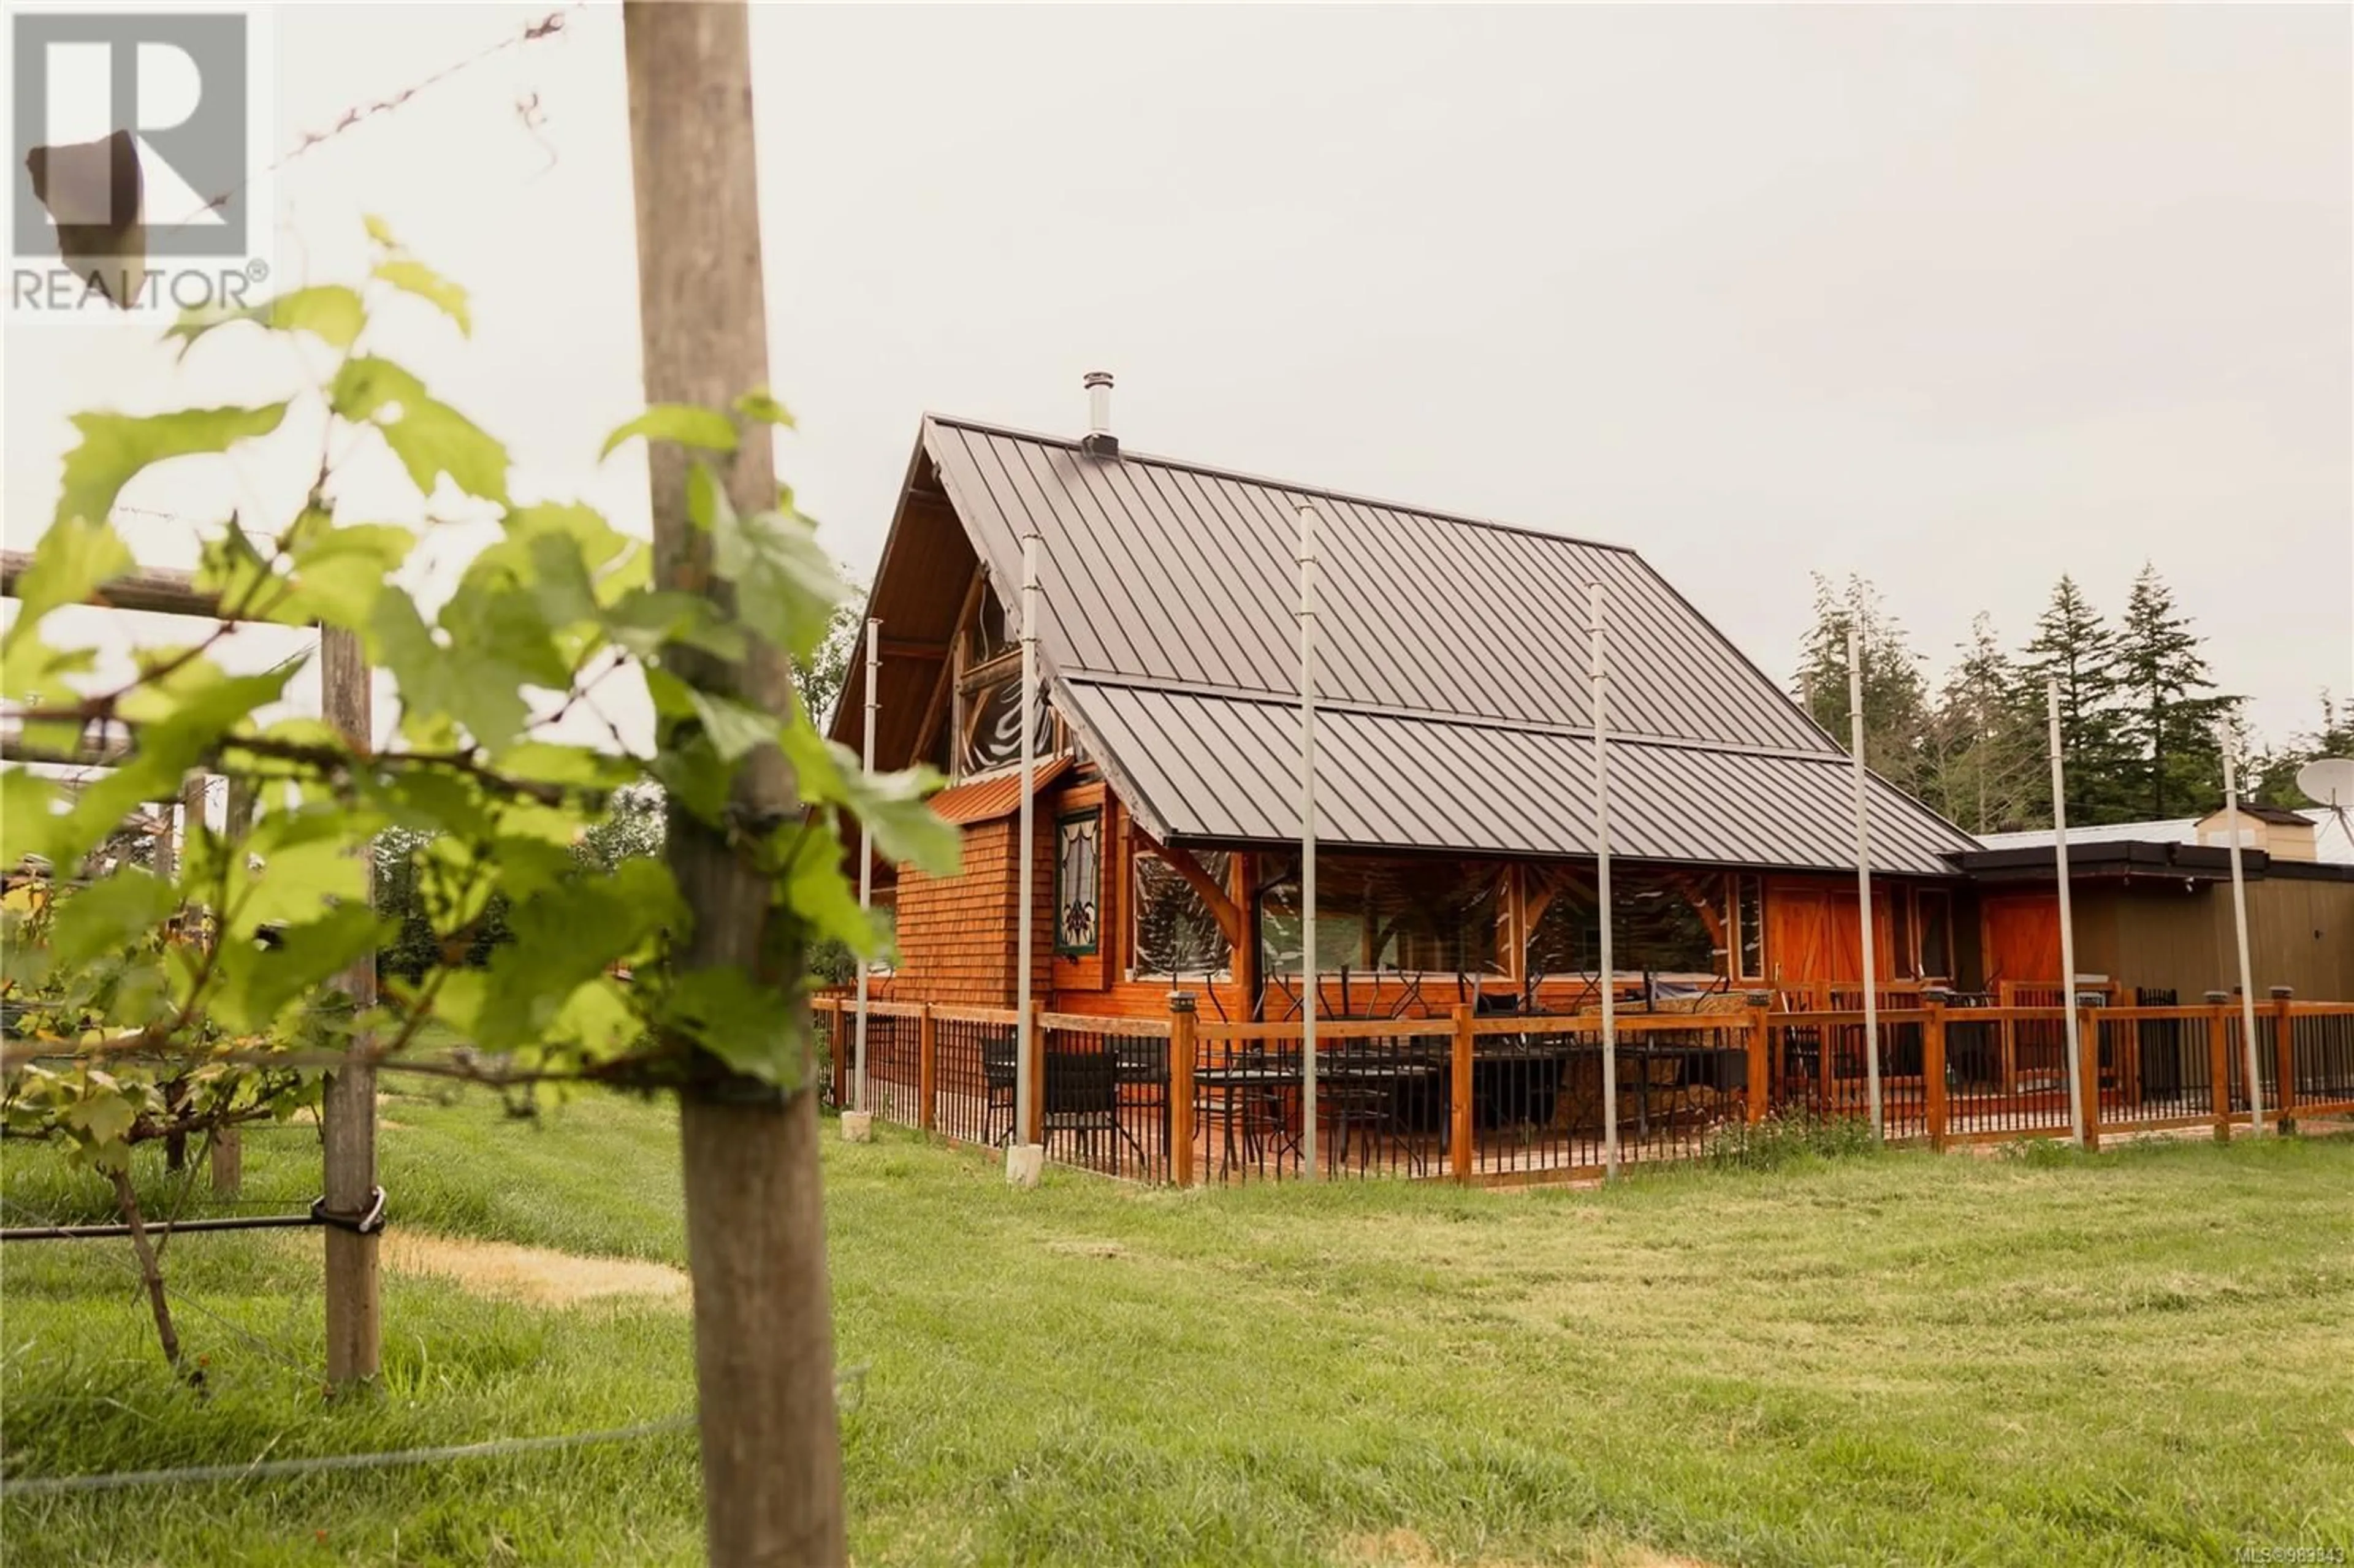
(1068, 443)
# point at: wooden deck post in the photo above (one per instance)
(2006, 995)
(1933, 1072)
(2284, 1011)
(2219, 1062)
(1036, 1133)
(927, 1080)
(1761, 1057)
(2088, 1067)
(1184, 1023)
(1459, 1105)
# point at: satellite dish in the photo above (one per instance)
(2329, 782)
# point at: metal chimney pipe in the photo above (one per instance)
(1099, 442)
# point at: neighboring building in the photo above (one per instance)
(1457, 849)
(2152, 903)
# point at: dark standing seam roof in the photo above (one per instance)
(1452, 691)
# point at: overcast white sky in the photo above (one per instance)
(1958, 299)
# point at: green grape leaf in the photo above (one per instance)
(115, 447)
(744, 1023)
(379, 231)
(684, 423)
(70, 562)
(27, 815)
(429, 437)
(330, 313)
(107, 915)
(786, 585)
(415, 277)
(758, 405)
(817, 891)
(256, 984)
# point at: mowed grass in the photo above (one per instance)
(2146, 1356)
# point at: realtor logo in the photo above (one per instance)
(133, 137)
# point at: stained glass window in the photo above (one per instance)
(1079, 883)
(1175, 932)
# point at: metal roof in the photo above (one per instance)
(1452, 672)
(986, 797)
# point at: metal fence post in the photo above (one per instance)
(1182, 1023)
(1035, 1133)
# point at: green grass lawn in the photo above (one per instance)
(2144, 1356)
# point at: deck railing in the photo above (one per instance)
(1508, 1099)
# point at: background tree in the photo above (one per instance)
(2168, 706)
(1896, 701)
(2074, 646)
(826, 671)
(2273, 772)
(1983, 763)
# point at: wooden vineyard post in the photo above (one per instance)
(1458, 1103)
(1183, 1031)
(2219, 1060)
(1761, 1057)
(928, 1061)
(2283, 1011)
(347, 1107)
(1933, 1072)
(767, 1414)
(2088, 1046)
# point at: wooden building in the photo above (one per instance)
(1456, 789)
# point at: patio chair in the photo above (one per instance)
(1083, 1097)
(999, 1077)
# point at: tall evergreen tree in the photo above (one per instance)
(2272, 774)
(2074, 647)
(1983, 756)
(2169, 708)
(1895, 693)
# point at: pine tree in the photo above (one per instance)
(1984, 764)
(2073, 646)
(1895, 693)
(2271, 775)
(2171, 707)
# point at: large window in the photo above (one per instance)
(1079, 882)
(1660, 926)
(1937, 936)
(1749, 925)
(1175, 932)
(1415, 917)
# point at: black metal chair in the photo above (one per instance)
(1000, 1079)
(1083, 1097)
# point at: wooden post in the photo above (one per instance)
(1761, 1057)
(928, 1057)
(1036, 1133)
(347, 1106)
(226, 1151)
(1458, 1107)
(1183, 1025)
(2088, 1068)
(1933, 1072)
(2006, 995)
(2219, 1060)
(2284, 1005)
(755, 1214)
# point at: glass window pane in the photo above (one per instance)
(1749, 898)
(1657, 928)
(1937, 936)
(1175, 932)
(1077, 884)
